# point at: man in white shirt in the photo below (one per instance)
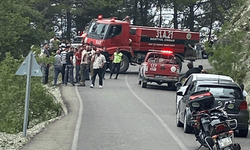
(83, 64)
(98, 62)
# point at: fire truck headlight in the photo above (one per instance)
(173, 69)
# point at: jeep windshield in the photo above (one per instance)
(98, 30)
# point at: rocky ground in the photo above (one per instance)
(16, 141)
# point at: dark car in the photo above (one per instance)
(222, 92)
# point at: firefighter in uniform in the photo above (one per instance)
(118, 57)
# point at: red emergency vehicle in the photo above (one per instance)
(136, 41)
(160, 67)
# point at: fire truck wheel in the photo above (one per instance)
(124, 64)
(179, 62)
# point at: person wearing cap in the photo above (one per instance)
(98, 62)
(118, 57)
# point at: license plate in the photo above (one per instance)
(158, 76)
(225, 142)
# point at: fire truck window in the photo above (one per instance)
(132, 31)
(118, 30)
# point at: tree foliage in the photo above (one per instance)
(12, 92)
(22, 25)
(228, 55)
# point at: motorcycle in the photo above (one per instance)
(213, 128)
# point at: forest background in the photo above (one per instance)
(28, 23)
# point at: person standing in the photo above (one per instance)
(92, 53)
(98, 62)
(78, 57)
(54, 42)
(45, 67)
(57, 66)
(192, 69)
(118, 57)
(63, 60)
(84, 65)
(69, 67)
(106, 55)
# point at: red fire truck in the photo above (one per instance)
(136, 41)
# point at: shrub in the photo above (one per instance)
(12, 92)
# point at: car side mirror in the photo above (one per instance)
(179, 93)
(178, 84)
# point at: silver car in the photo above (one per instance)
(223, 90)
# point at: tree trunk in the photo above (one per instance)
(135, 12)
(68, 25)
(211, 21)
(191, 18)
(175, 15)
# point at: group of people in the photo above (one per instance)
(75, 64)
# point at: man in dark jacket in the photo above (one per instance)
(192, 69)
(69, 67)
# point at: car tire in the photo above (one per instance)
(187, 128)
(178, 123)
(243, 133)
(179, 62)
(139, 77)
(172, 86)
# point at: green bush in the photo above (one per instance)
(12, 92)
(228, 56)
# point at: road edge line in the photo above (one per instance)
(79, 120)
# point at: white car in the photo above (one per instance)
(77, 41)
(199, 77)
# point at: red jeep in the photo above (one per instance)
(160, 67)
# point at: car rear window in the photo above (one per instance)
(219, 91)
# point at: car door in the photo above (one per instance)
(185, 99)
(183, 89)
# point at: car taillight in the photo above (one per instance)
(243, 105)
(200, 95)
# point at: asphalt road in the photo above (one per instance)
(124, 116)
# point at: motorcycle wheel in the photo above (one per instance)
(236, 146)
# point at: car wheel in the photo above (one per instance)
(187, 128)
(243, 133)
(172, 86)
(179, 62)
(178, 123)
(139, 77)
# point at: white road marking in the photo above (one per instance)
(78, 124)
(177, 140)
